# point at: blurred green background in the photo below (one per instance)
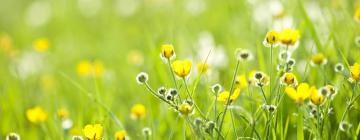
(126, 35)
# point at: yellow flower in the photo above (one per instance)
(181, 67)
(167, 51)
(355, 73)
(138, 111)
(120, 135)
(135, 57)
(41, 45)
(202, 67)
(289, 36)
(357, 14)
(36, 115)
(316, 98)
(63, 113)
(302, 92)
(223, 96)
(318, 59)
(88, 68)
(289, 79)
(241, 81)
(272, 38)
(93, 131)
(185, 109)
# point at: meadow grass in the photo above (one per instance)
(92, 69)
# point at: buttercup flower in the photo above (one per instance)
(223, 96)
(202, 67)
(289, 37)
(243, 54)
(120, 135)
(63, 113)
(142, 77)
(146, 131)
(185, 109)
(13, 136)
(181, 68)
(338, 67)
(316, 98)
(260, 79)
(357, 14)
(138, 111)
(271, 39)
(355, 73)
(318, 59)
(41, 45)
(167, 52)
(216, 88)
(241, 81)
(90, 68)
(300, 94)
(345, 126)
(289, 79)
(36, 115)
(93, 131)
(284, 56)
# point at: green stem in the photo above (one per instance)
(300, 132)
(195, 105)
(228, 99)
(263, 93)
(271, 66)
(172, 73)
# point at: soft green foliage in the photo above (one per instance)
(96, 48)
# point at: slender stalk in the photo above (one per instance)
(351, 101)
(228, 99)
(233, 123)
(271, 66)
(89, 96)
(263, 93)
(172, 73)
(195, 105)
(299, 130)
(318, 121)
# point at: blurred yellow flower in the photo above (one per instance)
(302, 92)
(41, 45)
(202, 67)
(318, 59)
(135, 57)
(289, 79)
(138, 111)
(289, 36)
(355, 73)
(357, 14)
(120, 135)
(316, 98)
(6, 45)
(223, 96)
(36, 115)
(272, 38)
(93, 132)
(241, 81)
(181, 67)
(63, 113)
(88, 68)
(48, 82)
(167, 51)
(185, 109)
